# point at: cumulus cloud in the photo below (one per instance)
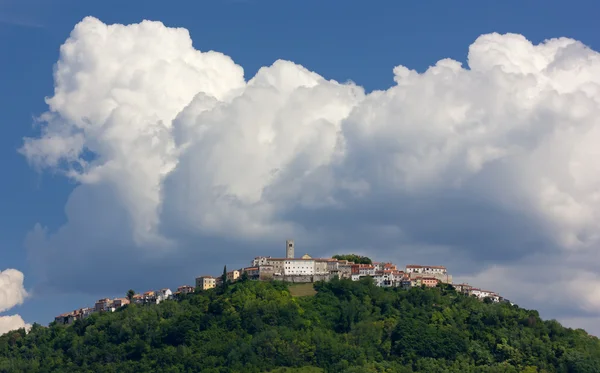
(12, 293)
(174, 151)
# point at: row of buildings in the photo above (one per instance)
(292, 269)
(308, 269)
(111, 305)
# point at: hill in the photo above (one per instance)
(345, 327)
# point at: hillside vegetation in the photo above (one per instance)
(346, 327)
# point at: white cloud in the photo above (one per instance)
(14, 322)
(172, 148)
(12, 293)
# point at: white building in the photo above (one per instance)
(481, 294)
(163, 294)
(292, 267)
(366, 270)
(413, 268)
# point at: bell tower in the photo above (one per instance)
(289, 249)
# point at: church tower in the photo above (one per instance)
(289, 249)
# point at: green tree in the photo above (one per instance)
(347, 326)
(130, 294)
(354, 258)
(224, 277)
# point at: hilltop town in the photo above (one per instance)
(296, 270)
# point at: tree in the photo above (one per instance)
(224, 276)
(130, 294)
(357, 259)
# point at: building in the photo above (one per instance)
(298, 267)
(381, 266)
(206, 282)
(119, 302)
(71, 317)
(164, 294)
(429, 281)
(102, 305)
(438, 272)
(482, 294)
(138, 299)
(186, 289)
(462, 288)
(252, 272)
(322, 266)
(266, 272)
(150, 297)
(233, 275)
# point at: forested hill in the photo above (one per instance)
(346, 327)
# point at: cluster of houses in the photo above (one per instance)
(292, 269)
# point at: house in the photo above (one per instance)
(85, 312)
(322, 266)
(415, 268)
(185, 289)
(429, 281)
(206, 282)
(438, 272)
(164, 294)
(380, 266)
(384, 278)
(138, 299)
(233, 275)
(102, 305)
(482, 294)
(252, 272)
(71, 317)
(462, 288)
(119, 302)
(150, 297)
(406, 282)
(65, 318)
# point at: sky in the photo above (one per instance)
(142, 154)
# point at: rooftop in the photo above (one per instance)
(424, 266)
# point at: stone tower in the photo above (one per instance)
(289, 248)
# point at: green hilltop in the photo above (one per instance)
(344, 326)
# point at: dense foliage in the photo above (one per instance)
(354, 258)
(346, 327)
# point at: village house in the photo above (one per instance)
(102, 305)
(429, 281)
(438, 272)
(252, 272)
(206, 282)
(164, 294)
(185, 289)
(462, 288)
(71, 317)
(119, 302)
(149, 297)
(233, 275)
(482, 294)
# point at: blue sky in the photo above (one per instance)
(358, 41)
